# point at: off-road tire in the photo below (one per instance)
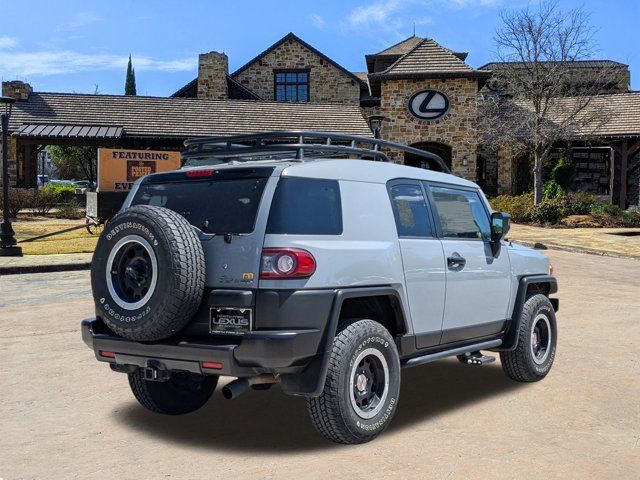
(519, 364)
(332, 412)
(178, 289)
(172, 397)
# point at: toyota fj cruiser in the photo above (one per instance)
(268, 259)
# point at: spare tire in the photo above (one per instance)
(147, 273)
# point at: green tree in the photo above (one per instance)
(130, 82)
(75, 162)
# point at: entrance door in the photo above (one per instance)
(440, 149)
(422, 259)
(478, 284)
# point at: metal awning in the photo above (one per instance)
(69, 131)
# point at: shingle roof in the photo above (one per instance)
(402, 47)
(494, 66)
(610, 115)
(184, 117)
(623, 117)
(428, 58)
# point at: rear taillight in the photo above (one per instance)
(286, 263)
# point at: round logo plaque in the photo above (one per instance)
(428, 104)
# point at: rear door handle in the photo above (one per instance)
(456, 261)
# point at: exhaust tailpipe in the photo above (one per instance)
(232, 389)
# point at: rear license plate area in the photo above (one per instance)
(230, 320)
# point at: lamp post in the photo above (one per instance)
(8, 242)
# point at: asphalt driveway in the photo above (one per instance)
(63, 415)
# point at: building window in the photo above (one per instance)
(292, 86)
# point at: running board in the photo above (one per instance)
(431, 357)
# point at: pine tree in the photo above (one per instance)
(130, 83)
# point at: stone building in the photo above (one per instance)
(416, 92)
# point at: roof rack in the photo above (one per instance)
(298, 145)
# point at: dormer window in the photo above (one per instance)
(291, 85)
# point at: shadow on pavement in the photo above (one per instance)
(273, 422)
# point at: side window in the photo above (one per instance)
(306, 206)
(410, 211)
(461, 213)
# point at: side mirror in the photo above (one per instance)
(500, 224)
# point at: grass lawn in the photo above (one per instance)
(77, 241)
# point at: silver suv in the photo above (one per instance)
(278, 258)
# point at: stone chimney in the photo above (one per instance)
(213, 68)
(16, 89)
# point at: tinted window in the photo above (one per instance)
(461, 213)
(291, 86)
(221, 206)
(303, 206)
(410, 211)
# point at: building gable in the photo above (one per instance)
(328, 82)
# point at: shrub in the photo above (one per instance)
(606, 208)
(63, 193)
(71, 210)
(579, 203)
(518, 206)
(19, 199)
(44, 200)
(548, 211)
(631, 218)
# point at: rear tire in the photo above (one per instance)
(533, 357)
(184, 392)
(362, 387)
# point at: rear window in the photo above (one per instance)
(305, 206)
(218, 206)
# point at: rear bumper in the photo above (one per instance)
(252, 354)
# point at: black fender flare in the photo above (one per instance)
(310, 382)
(510, 338)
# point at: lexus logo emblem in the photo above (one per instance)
(428, 104)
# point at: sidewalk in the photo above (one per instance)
(599, 241)
(45, 263)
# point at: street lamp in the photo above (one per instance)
(8, 247)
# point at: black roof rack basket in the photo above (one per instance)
(298, 145)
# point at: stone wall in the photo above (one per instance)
(213, 68)
(11, 154)
(327, 83)
(456, 129)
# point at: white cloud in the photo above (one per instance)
(78, 21)
(41, 63)
(7, 42)
(373, 13)
(318, 20)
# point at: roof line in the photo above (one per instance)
(292, 36)
(246, 89)
(554, 61)
(390, 47)
(184, 88)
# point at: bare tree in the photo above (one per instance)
(540, 97)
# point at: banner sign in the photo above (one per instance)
(118, 169)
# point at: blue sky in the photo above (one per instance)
(73, 45)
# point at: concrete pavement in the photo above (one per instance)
(63, 415)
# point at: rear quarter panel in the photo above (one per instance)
(366, 254)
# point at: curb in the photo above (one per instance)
(61, 267)
(554, 246)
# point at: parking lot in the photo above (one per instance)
(63, 415)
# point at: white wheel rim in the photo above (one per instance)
(131, 239)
